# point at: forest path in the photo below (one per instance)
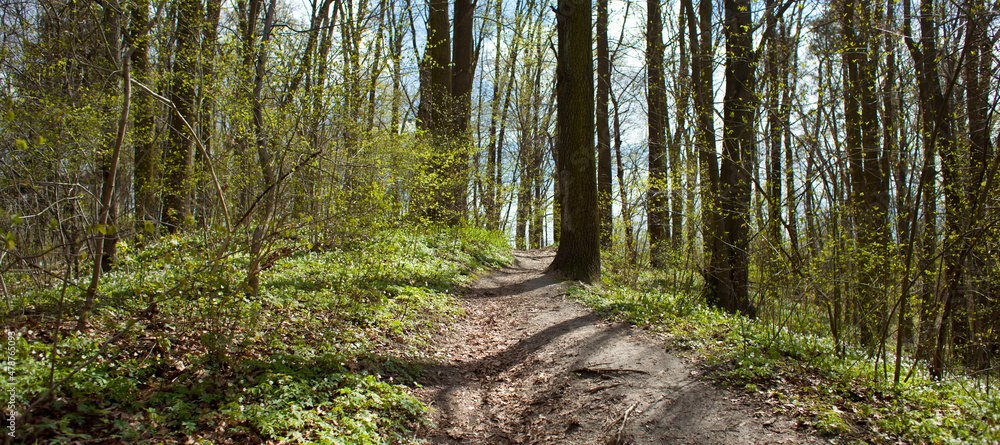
(524, 365)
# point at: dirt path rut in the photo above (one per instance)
(526, 366)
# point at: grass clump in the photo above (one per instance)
(180, 352)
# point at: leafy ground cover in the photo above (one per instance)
(850, 397)
(179, 352)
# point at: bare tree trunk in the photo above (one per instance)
(790, 54)
(145, 156)
(376, 71)
(938, 131)
(657, 203)
(893, 153)
(702, 77)
(731, 256)
(498, 117)
(523, 205)
(264, 156)
(604, 187)
(538, 216)
(179, 158)
(682, 94)
(462, 73)
(772, 185)
(978, 76)
(869, 198)
(436, 101)
(209, 37)
(579, 253)
(107, 196)
(630, 244)
(112, 31)
(396, 52)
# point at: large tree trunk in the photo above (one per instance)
(436, 110)
(462, 73)
(656, 197)
(731, 255)
(579, 253)
(464, 65)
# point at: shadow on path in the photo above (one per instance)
(526, 366)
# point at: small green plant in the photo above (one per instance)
(320, 355)
(845, 395)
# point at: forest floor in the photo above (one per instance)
(525, 365)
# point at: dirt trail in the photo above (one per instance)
(526, 366)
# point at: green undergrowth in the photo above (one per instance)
(324, 354)
(847, 396)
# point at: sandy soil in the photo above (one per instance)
(527, 366)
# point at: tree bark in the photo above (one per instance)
(869, 198)
(462, 74)
(206, 101)
(396, 52)
(939, 136)
(630, 244)
(498, 119)
(731, 255)
(579, 254)
(604, 187)
(978, 76)
(144, 155)
(436, 104)
(772, 185)
(264, 156)
(179, 157)
(682, 94)
(790, 55)
(112, 31)
(107, 197)
(702, 70)
(657, 222)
